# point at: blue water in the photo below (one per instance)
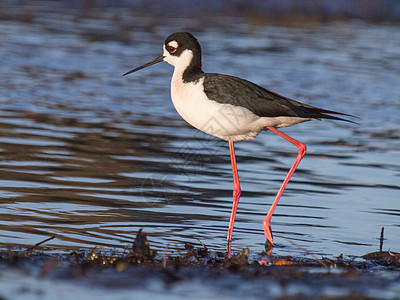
(92, 157)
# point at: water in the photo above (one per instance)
(92, 157)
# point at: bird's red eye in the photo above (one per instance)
(171, 49)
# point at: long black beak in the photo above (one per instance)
(152, 62)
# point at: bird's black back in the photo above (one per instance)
(227, 89)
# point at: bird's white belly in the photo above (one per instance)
(225, 121)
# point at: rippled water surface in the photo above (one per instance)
(91, 156)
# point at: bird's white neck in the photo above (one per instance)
(180, 63)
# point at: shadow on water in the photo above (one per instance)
(91, 157)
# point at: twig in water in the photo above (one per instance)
(165, 256)
(306, 251)
(381, 240)
(204, 246)
(38, 244)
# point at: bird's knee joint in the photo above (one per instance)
(266, 224)
(302, 148)
(236, 192)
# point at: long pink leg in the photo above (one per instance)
(302, 150)
(236, 195)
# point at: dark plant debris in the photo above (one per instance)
(195, 255)
(196, 261)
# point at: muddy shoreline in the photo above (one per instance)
(240, 275)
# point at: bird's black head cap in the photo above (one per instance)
(186, 41)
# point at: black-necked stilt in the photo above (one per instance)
(231, 108)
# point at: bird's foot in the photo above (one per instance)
(268, 233)
(268, 247)
(228, 249)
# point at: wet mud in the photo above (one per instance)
(239, 275)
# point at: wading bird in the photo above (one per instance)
(232, 109)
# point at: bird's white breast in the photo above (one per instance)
(225, 121)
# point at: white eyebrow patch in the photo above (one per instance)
(173, 44)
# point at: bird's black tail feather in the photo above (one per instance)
(327, 114)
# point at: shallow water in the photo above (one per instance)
(91, 156)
